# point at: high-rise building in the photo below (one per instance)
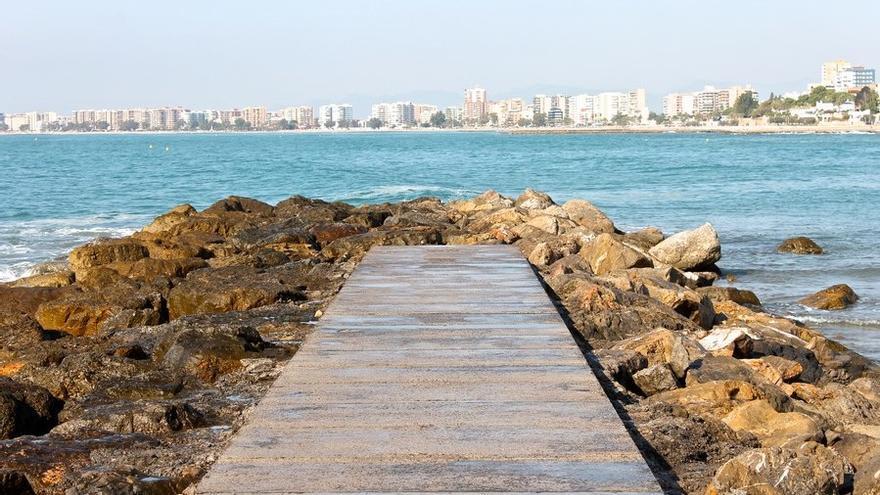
(304, 116)
(545, 104)
(335, 113)
(830, 70)
(257, 117)
(508, 111)
(707, 101)
(454, 114)
(679, 104)
(853, 77)
(423, 113)
(475, 104)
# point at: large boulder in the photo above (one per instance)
(684, 301)
(606, 254)
(233, 288)
(240, 204)
(604, 314)
(739, 296)
(28, 299)
(810, 468)
(835, 297)
(666, 347)
(85, 312)
(799, 245)
(208, 353)
(166, 221)
(772, 428)
(655, 379)
(712, 399)
(104, 251)
(588, 216)
(690, 249)
(54, 279)
(139, 416)
(533, 200)
(489, 200)
(26, 409)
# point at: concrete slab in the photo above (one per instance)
(436, 369)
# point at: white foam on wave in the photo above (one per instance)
(407, 191)
(821, 320)
(24, 244)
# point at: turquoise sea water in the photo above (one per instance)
(62, 190)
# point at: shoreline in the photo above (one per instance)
(741, 130)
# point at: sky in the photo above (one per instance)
(60, 55)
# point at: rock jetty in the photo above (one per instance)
(127, 368)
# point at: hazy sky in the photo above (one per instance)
(62, 55)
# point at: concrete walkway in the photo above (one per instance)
(435, 369)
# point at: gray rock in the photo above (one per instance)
(690, 249)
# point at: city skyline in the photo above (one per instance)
(106, 55)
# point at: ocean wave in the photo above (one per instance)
(826, 321)
(406, 191)
(24, 244)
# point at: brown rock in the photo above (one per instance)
(533, 200)
(26, 409)
(149, 269)
(811, 468)
(102, 252)
(84, 312)
(354, 247)
(326, 233)
(655, 379)
(662, 346)
(773, 429)
(690, 249)
(54, 279)
(776, 369)
(240, 204)
(489, 200)
(27, 299)
(173, 217)
(542, 255)
(739, 296)
(588, 216)
(644, 239)
(713, 399)
(234, 288)
(799, 245)
(606, 254)
(835, 297)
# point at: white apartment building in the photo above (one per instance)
(707, 101)
(830, 70)
(304, 116)
(257, 117)
(853, 77)
(476, 104)
(335, 113)
(396, 114)
(679, 104)
(423, 113)
(454, 114)
(586, 109)
(546, 104)
(509, 111)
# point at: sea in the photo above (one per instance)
(59, 191)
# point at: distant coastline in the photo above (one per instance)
(758, 129)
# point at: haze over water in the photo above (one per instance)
(62, 190)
